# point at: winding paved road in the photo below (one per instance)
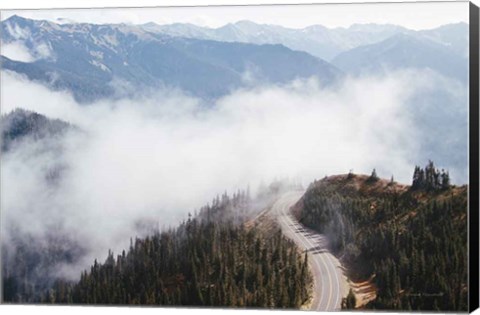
(329, 281)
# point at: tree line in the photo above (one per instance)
(430, 178)
(209, 260)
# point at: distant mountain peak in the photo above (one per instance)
(245, 22)
(16, 18)
(458, 25)
(149, 24)
(401, 51)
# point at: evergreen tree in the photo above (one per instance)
(373, 177)
(397, 237)
(210, 259)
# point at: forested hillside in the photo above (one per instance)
(29, 262)
(89, 61)
(209, 260)
(411, 240)
(21, 124)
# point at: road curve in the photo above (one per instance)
(330, 284)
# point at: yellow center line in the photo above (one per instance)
(306, 240)
(339, 281)
(323, 261)
(294, 235)
(316, 262)
(328, 273)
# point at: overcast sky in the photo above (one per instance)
(410, 15)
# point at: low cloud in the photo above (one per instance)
(161, 155)
(16, 51)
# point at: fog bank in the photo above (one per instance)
(163, 154)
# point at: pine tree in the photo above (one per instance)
(392, 181)
(373, 177)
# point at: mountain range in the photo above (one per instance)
(318, 40)
(403, 51)
(117, 60)
(99, 61)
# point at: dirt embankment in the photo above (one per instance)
(364, 291)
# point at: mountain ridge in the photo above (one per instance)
(86, 58)
(318, 40)
(403, 51)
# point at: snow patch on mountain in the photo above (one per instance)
(99, 65)
(17, 32)
(97, 54)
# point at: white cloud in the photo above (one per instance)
(159, 156)
(43, 50)
(16, 51)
